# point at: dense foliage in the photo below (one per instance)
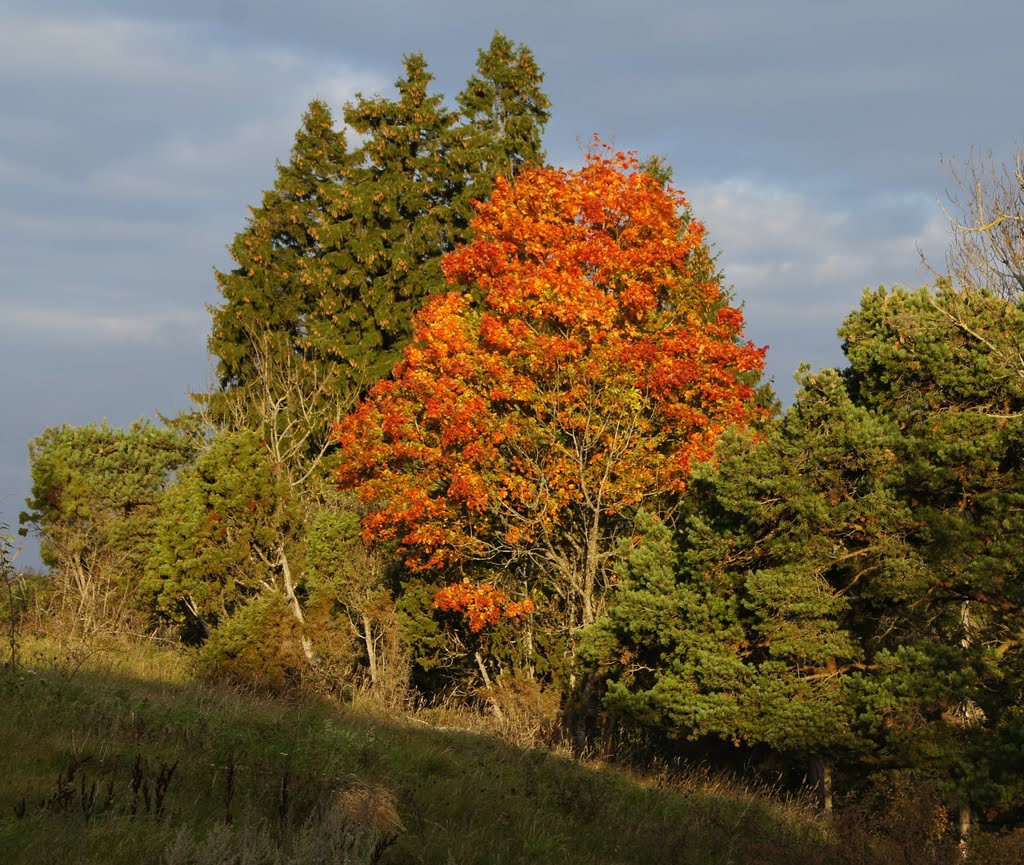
(847, 586)
(96, 493)
(580, 369)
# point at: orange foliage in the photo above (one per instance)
(579, 369)
(481, 604)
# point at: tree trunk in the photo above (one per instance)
(590, 575)
(528, 641)
(84, 588)
(289, 593)
(371, 652)
(487, 685)
(190, 605)
(964, 824)
(821, 782)
(969, 714)
(588, 597)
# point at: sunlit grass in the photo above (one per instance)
(86, 742)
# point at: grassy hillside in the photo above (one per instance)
(116, 757)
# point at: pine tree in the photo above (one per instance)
(945, 366)
(398, 225)
(848, 585)
(747, 625)
(269, 296)
(410, 200)
(503, 112)
(218, 533)
(95, 495)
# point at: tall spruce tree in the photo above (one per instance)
(331, 269)
(277, 394)
(345, 247)
(503, 113)
(399, 224)
(270, 295)
(410, 200)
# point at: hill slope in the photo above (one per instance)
(118, 758)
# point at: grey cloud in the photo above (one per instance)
(799, 262)
(75, 329)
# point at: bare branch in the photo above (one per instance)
(986, 218)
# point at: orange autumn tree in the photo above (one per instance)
(579, 369)
(481, 604)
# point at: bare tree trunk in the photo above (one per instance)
(85, 591)
(371, 652)
(590, 573)
(588, 596)
(289, 593)
(968, 714)
(487, 685)
(190, 605)
(528, 640)
(964, 824)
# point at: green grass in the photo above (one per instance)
(117, 721)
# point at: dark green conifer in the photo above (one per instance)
(745, 627)
(269, 296)
(503, 111)
(848, 585)
(409, 201)
(397, 226)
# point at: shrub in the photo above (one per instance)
(258, 646)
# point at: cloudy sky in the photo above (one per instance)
(808, 135)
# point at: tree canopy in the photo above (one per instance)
(847, 585)
(95, 495)
(577, 369)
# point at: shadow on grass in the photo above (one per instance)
(110, 767)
